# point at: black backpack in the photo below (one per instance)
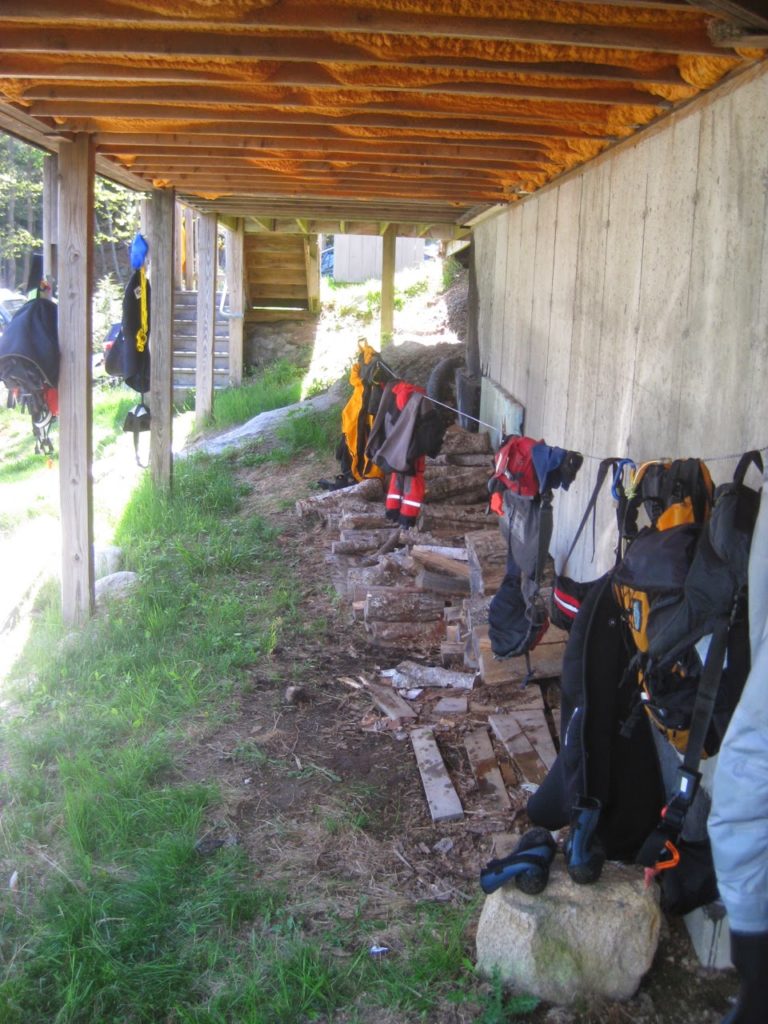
(689, 680)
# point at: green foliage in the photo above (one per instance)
(451, 270)
(107, 309)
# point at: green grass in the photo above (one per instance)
(116, 917)
(279, 384)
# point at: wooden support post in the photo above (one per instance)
(235, 243)
(389, 243)
(188, 257)
(75, 229)
(161, 231)
(206, 316)
(312, 265)
(178, 245)
(50, 216)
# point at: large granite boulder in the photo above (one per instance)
(572, 941)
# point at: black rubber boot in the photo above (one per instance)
(528, 865)
(749, 953)
(584, 853)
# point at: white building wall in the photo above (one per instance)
(358, 257)
(627, 308)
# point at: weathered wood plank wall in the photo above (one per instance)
(627, 308)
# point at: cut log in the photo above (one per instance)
(442, 799)
(457, 440)
(357, 542)
(438, 561)
(464, 517)
(485, 770)
(410, 674)
(467, 484)
(462, 459)
(440, 583)
(453, 553)
(398, 604)
(487, 557)
(364, 521)
(398, 634)
(546, 661)
(337, 502)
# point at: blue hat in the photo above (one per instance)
(139, 250)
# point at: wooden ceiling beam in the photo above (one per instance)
(461, 95)
(141, 157)
(387, 113)
(89, 117)
(311, 142)
(151, 164)
(676, 32)
(76, 67)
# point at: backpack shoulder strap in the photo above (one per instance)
(602, 472)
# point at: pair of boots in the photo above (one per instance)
(529, 864)
(749, 953)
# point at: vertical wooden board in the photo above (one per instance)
(729, 277)
(665, 292)
(235, 251)
(499, 284)
(76, 171)
(442, 799)
(588, 309)
(161, 212)
(621, 300)
(188, 259)
(206, 314)
(485, 770)
(521, 370)
(509, 350)
(564, 271)
(50, 216)
(512, 736)
(484, 242)
(540, 315)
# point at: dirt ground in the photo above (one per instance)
(299, 709)
(299, 748)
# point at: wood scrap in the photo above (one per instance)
(391, 703)
(450, 706)
(464, 486)
(485, 770)
(510, 732)
(442, 799)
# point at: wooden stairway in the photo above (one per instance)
(185, 344)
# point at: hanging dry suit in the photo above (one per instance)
(366, 376)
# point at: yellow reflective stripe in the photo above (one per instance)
(143, 331)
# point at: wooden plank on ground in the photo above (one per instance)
(536, 728)
(485, 769)
(511, 734)
(442, 798)
(391, 703)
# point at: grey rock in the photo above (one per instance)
(572, 941)
(107, 561)
(116, 585)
